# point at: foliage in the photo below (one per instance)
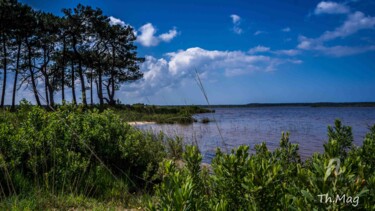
(340, 139)
(71, 151)
(82, 158)
(274, 180)
(159, 114)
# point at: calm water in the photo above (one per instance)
(250, 126)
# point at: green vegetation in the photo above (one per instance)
(78, 158)
(159, 114)
(73, 154)
(88, 157)
(276, 180)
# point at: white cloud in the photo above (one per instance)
(259, 32)
(147, 36)
(289, 52)
(335, 51)
(184, 61)
(287, 29)
(166, 37)
(262, 49)
(340, 51)
(329, 7)
(177, 67)
(236, 20)
(237, 30)
(296, 61)
(116, 21)
(258, 49)
(355, 22)
(305, 43)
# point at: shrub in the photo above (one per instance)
(74, 151)
(274, 180)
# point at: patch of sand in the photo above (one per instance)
(141, 123)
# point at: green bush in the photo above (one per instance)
(46, 157)
(276, 180)
(74, 151)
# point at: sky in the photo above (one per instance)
(244, 51)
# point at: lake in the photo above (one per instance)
(237, 126)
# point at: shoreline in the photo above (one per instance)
(140, 123)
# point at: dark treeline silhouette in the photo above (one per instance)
(82, 45)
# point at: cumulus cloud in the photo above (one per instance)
(262, 49)
(354, 23)
(289, 52)
(227, 61)
(259, 49)
(236, 20)
(335, 51)
(166, 37)
(329, 7)
(287, 29)
(116, 21)
(147, 35)
(179, 66)
(148, 38)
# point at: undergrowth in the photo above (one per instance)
(74, 158)
(341, 178)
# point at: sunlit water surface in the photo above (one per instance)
(237, 126)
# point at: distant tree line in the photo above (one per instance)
(82, 45)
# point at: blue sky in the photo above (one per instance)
(253, 51)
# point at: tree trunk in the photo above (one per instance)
(91, 94)
(100, 88)
(50, 91)
(46, 88)
(109, 100)
(80, 73)
(16, 77)
(32, 75)
(5, 72)
(34, 86)
(97, 88)
(111, 90)
(63, 73)
(73, 86)
(45, 74)
(63, 84)
(82, 79)
(111, 93)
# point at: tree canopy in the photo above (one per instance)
(51, 53)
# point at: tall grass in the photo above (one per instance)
(203, 90)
